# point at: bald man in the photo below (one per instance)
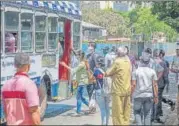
(120, 72)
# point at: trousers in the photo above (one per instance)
(121, 110)
(80, 98)
(142, 110)
(103, 102)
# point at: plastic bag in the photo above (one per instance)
(92, 103)
(107, 82)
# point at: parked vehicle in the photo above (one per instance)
(37, 28)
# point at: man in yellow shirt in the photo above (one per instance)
(120, 72)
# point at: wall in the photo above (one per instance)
(136, 48)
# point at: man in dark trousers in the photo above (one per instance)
(166, 80)
(91, 56)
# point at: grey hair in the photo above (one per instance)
(121, 51)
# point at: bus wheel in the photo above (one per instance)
(43, 100)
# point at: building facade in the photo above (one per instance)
(114, 5)
(92, 32)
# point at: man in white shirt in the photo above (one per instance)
(145, 88)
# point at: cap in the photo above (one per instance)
(21, 59)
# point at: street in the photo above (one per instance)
(53, 49)
(64, 112)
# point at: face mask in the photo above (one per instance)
(90, 50)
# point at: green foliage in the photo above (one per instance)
(148, 24)
(115, 24)
(135, 22)
(167, 11)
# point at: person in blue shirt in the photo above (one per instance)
(102, 99)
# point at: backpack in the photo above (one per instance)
(107, 82)
(91, 60)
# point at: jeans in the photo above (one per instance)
(90, 89)
(157, 108)
(142, 110)
(103, 102)
(80, 98)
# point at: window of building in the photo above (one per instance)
(26, 32)
(52, 33)
(11, 31)
(40, 33)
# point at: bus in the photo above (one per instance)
(46, 30)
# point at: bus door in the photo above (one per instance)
(66, 42)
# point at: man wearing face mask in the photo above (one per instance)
(20, 95)
(91, 56)
(110, 57)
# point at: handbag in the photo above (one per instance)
(91, 78)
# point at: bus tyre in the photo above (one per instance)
(43, 100)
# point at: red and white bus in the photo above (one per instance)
(46, 31)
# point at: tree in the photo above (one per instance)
(115, 24)
(167, 11)
(144, 22)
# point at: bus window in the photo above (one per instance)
(40, 33)
(10, 42)
(76, 35)
(11, 31)
(11, 20)
(61, 34)
(26, 32)
(62, 41)
(60, 49)
(52, 33)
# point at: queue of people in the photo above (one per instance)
(115, 77)
(144, 82)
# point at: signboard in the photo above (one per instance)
(8, 70)
(48, 60)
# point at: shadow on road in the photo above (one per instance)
(73, 114)
(57, 109)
